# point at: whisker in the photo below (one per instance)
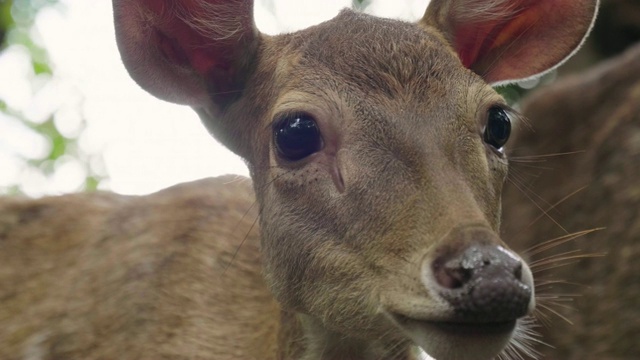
(552, 243)
(529, 164)
(556, 205)
(522, 177)
(561, 259)
(235, 253)
(253, 224)
(522, 342)
(519, 177)
(526, 157)
(545, 213)
(560, 304)
(556, 313)
(543, 284)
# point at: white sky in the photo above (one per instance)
(147, 144)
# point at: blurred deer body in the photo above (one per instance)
(105, 276)
(375, 151)
(599, 111)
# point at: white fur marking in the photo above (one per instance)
(422, 355)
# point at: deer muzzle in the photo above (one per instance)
(477, 290)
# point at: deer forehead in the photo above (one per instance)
(372, 55)
(372, 70)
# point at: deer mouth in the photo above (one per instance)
(460, 328)
(457, 338)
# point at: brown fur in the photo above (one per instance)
(143, 272)
(598, 113)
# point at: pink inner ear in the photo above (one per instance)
(179, 43)
(475, 41)
(518, 39)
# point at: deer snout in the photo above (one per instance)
(478, 289)
(484, 283)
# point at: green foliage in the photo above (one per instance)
(360, 5)
(17, 19)
(511, 93)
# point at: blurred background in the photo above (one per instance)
(71, 119)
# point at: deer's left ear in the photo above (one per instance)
(508, 40)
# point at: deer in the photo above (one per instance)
(369, 228)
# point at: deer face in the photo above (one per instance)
(375, 147)
(375, 167)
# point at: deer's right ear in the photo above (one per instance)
(192, 52)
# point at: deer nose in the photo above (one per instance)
(484, 283)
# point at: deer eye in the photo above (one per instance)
(498, 128)
(297, 136)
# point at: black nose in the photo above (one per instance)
(483, 283)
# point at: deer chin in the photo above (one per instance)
(457, 339)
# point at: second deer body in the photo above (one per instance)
(376, 153)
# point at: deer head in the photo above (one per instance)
(376, 151)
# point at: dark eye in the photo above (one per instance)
(498, 128)
(297, 136)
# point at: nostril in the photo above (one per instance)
(518, 272)
(451, 275)
(453, 271)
